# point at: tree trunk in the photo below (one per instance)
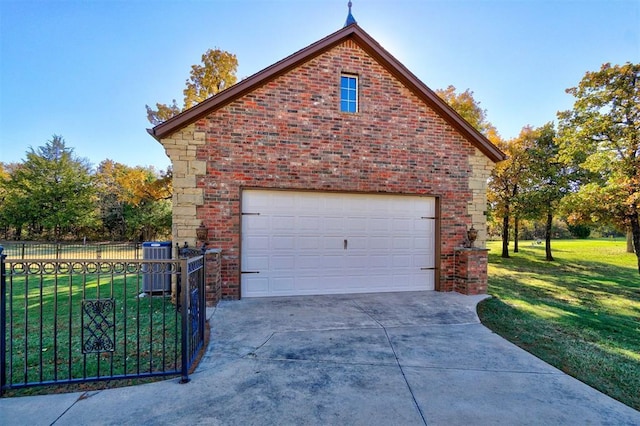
(515, 234)
(547, 237)
(635, 230)
(505, 236)
(630, 240)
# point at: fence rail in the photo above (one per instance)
(48, 250)
(81, 320)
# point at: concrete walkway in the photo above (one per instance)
(377, 359)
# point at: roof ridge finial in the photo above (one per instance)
(350, 19)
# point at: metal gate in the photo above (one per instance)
(81, 320)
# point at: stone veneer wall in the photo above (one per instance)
(181, 148)
(481, 168)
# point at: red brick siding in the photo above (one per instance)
(471, 271)
(290, 134)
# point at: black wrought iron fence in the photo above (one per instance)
(49, 250)
(79, 320)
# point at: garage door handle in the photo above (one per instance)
(345, 244)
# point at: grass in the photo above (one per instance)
(45, 343)
(580, 313)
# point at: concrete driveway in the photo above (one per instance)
(375, 359)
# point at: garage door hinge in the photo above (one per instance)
(427, 269)
(427, 217)
(250, 214)
(250, 272)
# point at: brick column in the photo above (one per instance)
(213, 277)
(471, 270)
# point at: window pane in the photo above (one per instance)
(348, 93)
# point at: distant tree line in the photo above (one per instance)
(55, 195)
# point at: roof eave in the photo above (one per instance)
(372, 47)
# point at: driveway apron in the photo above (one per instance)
(411, 358)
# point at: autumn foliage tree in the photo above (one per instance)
(469, 109)
(134, 201)
(601, 134)
(507, 180)
(216, 72)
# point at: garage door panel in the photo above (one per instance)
(405, 225)
(377, 225)
(286, 263)
(333, 224)
(356, 224)
(423, 225)
(282, 285)
(296, 241)
(402, 261)
(362, 261)
(256, 243)
(423, 243)
(307, 262)
(307, 242)
(307, 223)
(381, 261)
(283, 242)
(255, 223)
(256, 263)
(329, 262)
(380, 243)
(402, 243)
(283, 223)
(356, 243)
(255, 285)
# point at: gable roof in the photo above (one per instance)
(369, 45)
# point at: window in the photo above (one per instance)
(348, 93)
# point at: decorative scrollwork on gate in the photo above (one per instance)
(98, 325)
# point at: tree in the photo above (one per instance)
(134, 201)
(51, 192)
(217, 72)
(548, 180)
(4, 217)
(602, 134)
(506, 181)
(469, 109)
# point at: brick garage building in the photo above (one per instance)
(335, 170)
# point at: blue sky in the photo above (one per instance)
(85, 69)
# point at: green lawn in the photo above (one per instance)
(580, 313)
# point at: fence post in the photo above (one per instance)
(3, 321)
(183, 298)
(202, 288)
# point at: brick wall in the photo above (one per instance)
(471, 271)
(213, 276)
(290, 134)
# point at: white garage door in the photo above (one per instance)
(297, 243)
